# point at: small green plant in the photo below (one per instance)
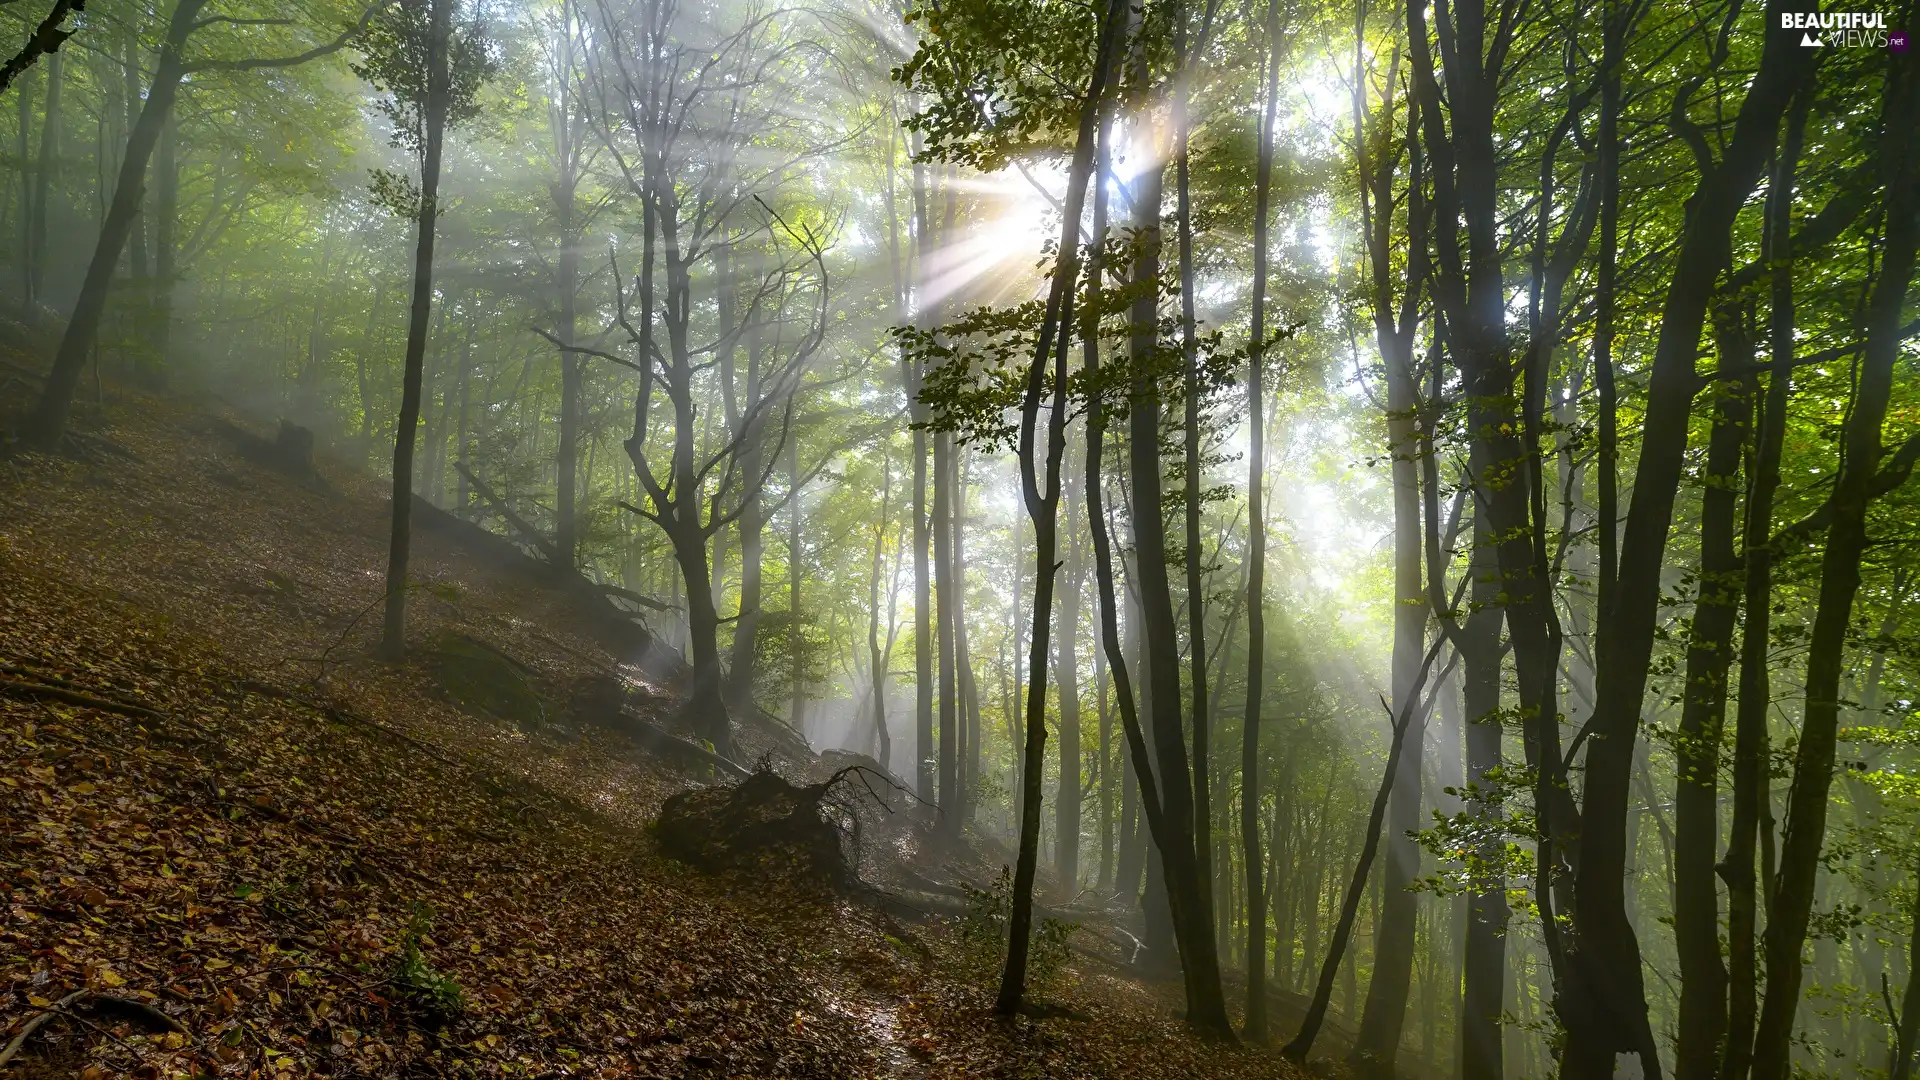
(982, 938)
(421, 982)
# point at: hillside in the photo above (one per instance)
(237, 846)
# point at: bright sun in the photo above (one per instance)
(990, 260)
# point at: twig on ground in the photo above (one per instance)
(33, 1025)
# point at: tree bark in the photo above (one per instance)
(1254, 1027)
(1805, 829)
(876, 669)
(943, 589)
(1067, 803)
(923, 614)
(393, 639)
(1603, 999)
(1192, 552)
(1206, 1001)
(1483, 968)
(1751, 783)
(43, 177)
(1041, 497)
(1907, 1035)
(166, 218)
(1696, 909)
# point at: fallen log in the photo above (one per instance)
(660, 741)
(520, 524)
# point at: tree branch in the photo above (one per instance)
(346, 38)
(46, 38)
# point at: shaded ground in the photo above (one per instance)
(214, 803)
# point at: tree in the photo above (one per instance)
(1042, 498)
(432, 74)
(683, 102)
(49, 420)
(1854, 489)
(1254, 1027)
(47, 38)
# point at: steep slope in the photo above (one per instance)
(236, 846)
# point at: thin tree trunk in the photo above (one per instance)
(1483, 970)
(1254, 1028)
(1041, 497)
(923, 612)
(1193, 553)
(876, 670)
(393, 640)
(1301, 1044)
(968, 705)
(1066, 828)
(23, 228)
(943, 588)
(49, 167)
(796, 571)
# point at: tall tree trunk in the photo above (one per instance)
(796, 571)
(1066, 826)
(1193, 552)
(1040, 492)
(1378, 1042)
(943, 589)
(43, 180)
(1696, 908)
(751, 525)
(1484, 966)
(393, 640)
(166, 218)
(876, 669)
(23, 228)
(1805, 830)
(1751, 781)
(1107, 790)
(1254, 1027)
(923, 613)
(1376, 1046)
(1603, 1002)
(1907, 1034)
(967, 755)
(1206, 1001)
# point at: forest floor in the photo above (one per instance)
(233, 844)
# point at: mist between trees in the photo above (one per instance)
(1408, 503)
